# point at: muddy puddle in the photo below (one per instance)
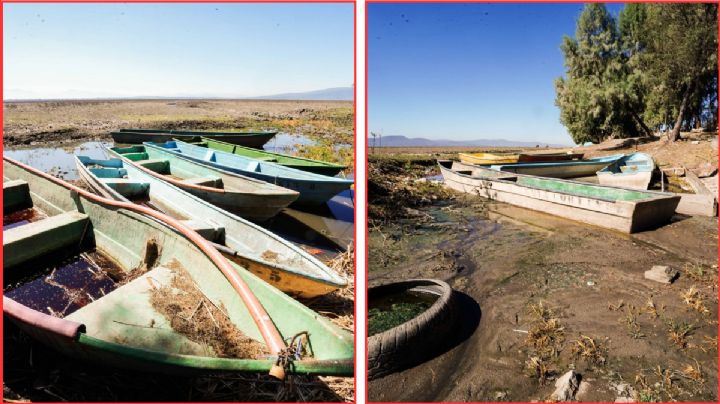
(324, 230)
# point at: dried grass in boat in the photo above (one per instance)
(193, 315)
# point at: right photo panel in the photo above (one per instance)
(542, 202)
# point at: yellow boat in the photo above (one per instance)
(509, 158)
(488, 158)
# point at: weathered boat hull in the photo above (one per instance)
(559, 169)
(273, 259)
(122, 327)
(298, 163)
(248, 139)
(569, 199)
(259, 202)
(314, 189)
(632, 171)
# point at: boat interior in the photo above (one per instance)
(139, 155)
(55, 262)
(550, 184)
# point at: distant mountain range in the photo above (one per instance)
(328, 94)
(403, 141)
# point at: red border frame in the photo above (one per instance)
(355, 132)
(367, 131)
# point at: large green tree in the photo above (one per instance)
(680, 63)
(596, 98)
(655, 69)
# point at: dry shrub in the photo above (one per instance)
(629, 319)
(546, 335)
(695, 300)
(694, 372)
(678, 333)
(592, 351)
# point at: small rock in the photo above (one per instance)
(695, 142)
(662, 274)
(566, 386)
(706, 169)
(500, 395)
(590, 283)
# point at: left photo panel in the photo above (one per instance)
(178, 202)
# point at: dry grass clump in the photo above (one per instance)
(629, 319)
(694, 372)
(193, 315)
(695, 300)
(339, 306)
(679, 333)
(264, 388)
(590, 350)
(546, 335)
(545, 339)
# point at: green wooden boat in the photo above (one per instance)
(248, 197)
(623, 209)
(298, 163)
(315, 190)
(114, 308)
(269, 256)
(137, 136)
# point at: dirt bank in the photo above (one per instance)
(545, 288)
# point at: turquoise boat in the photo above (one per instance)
(248, 197)
(314, 189)
(632, 171)
(298, 163)
(560, 169)
(116, 283)
(267, 255)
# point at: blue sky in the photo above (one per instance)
(111, 50)
(468, 71)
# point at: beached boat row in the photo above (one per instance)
(624, 209)
(117, 282)
(160, 267)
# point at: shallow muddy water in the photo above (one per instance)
(507, 259)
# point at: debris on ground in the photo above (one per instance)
(566, 387)
(193, 315)
(662, 274)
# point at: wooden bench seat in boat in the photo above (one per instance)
(45, 236)
(157, 165)
(208, 230)
(16, 196)
(127, 188)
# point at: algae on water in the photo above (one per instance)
(382, 320)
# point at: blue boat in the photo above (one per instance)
(560, 169)
(314, 189)
(632, 171)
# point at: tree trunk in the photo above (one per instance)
(645, 130)
(675, 133)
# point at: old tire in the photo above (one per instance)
(413, 341)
